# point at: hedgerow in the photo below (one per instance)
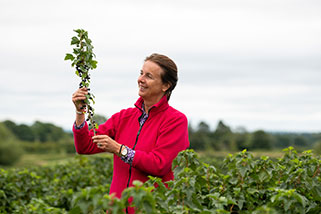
(291, 184)
(52, 187)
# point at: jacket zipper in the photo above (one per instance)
(130, 167)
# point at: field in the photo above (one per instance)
(241, 184)
(29, 160)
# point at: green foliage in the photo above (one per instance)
(317, 147)
(62, 146)
(261, 140)
(224, 139)
(82, 59)
(288, 185)
(300, 141)
(90, 200)
(291, 184)
(39, 206)
(38, 131)
(54, 188)
(10, 152)
(99, 119)
(10, 149)
(38, 138)
(22, 132)
(45, 132)
(242, 140)
(5, 133)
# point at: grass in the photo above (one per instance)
(32, 160)
(41, 159)
(223, 154)
(214, 157)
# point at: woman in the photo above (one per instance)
(144, 139)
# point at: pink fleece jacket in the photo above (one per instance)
(158, 141)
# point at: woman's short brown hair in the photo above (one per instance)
(169, 68)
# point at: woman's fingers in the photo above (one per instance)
(104, 142)
(80, 93)
(101, 139)
(79, 96)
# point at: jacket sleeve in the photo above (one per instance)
(83, 137)
(172, 139)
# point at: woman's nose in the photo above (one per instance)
(140, 78)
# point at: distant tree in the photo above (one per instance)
(317, 148)
(11, 126)
(25, 133)
(190, 129)
(261, 140)
(200, 138)
(22, 132)
(223, 137)
(222, 130)
(300, 141)
(5, 133)
(198, 141)
(203, 127)
(45, 132)
(282, 141)
(10, 150)
(242, 139)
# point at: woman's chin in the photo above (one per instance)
(141, 94)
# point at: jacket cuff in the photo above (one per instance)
(79, 127)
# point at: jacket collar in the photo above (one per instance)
(160, 106)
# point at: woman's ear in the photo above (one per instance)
(165, 87)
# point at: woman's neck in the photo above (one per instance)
(149, 103)
(147, 106)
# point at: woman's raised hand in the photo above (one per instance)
(78, 98)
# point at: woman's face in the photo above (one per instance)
(150, 82)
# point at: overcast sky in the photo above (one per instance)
(255, 64)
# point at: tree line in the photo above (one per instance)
(37, 132)
(201, 137)
(223, 138)
(41, 137)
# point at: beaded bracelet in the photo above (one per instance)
(80, 112)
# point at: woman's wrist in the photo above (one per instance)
(80, 118)
(117, 149)
(80, 112)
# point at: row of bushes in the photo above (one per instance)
(52, 187)
(291, 184)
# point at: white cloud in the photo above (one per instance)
(252, 63)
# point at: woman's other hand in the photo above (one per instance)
(106, 143)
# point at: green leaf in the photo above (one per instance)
(75, 210)
(93, 63)
(78, 30)
(69, 57)
(74, 40)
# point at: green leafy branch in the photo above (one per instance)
(82, 60)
